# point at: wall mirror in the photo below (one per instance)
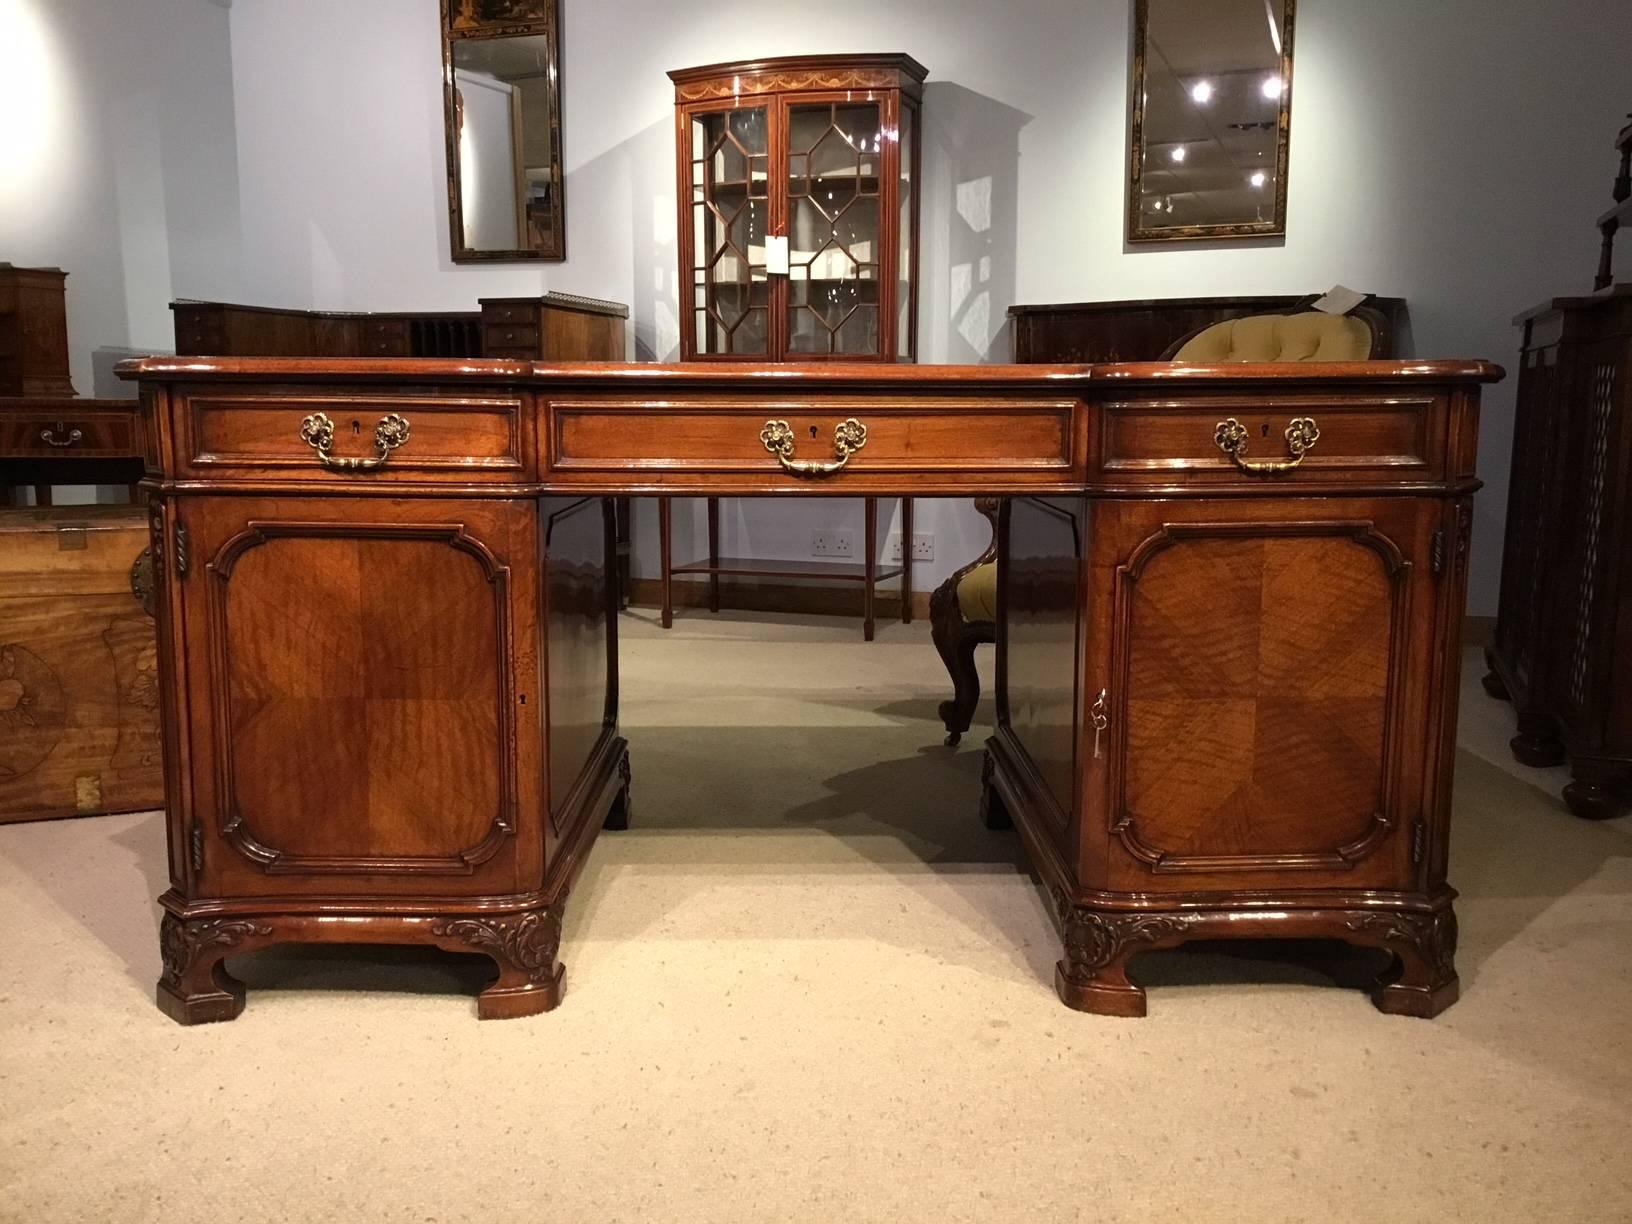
(1212, 113)
(502, 110)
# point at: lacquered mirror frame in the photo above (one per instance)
(543, 17)
(1137, 231)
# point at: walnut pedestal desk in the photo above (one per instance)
(1229, 611)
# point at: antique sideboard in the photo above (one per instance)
(1228, 654)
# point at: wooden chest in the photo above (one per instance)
(79, 701)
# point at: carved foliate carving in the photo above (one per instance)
(1433, 936)
(529, 942)
(180, 943)
(1093, 938)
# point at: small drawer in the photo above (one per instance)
(510, 314)
(499, 353)
(509, 336)
(437, 439)
(1224, 439)
(69, 434)
(941, 443)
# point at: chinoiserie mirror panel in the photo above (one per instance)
(502, 108)
(1212, 113)
(798, 214)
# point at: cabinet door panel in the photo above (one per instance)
(361, 705)
(1266, 672)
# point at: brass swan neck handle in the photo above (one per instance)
(317, 431)
(849, 436)
(1301, 435)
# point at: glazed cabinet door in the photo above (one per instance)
(1272, 683)
(362, 696)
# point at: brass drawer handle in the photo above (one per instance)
(317, 431)
(1301, 436)
(848, 437)
(49, 436)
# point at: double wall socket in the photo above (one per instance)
(832, 543)
(923, 547)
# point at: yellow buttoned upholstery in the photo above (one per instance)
(977, 593)
(1310, 336)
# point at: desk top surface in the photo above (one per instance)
(613, 375)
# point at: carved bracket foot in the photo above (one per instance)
(1492, 680)
(1422, 981)
(524, 947)
(1093, 977)
(195, 987)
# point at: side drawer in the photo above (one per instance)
(940, 443)
(1175, 439)
(69, 434)
(437, 438)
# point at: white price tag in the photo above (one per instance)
(776, 255)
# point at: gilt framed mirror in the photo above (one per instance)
(1212, 119)
(501, 101)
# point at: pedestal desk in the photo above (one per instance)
(1230, 601)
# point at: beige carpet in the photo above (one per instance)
(809, 986)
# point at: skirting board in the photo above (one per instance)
(828, 599)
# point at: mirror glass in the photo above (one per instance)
(1212, 105)
(504, 142)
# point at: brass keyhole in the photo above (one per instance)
(356, 427)
(813, 431)
(1265, 432)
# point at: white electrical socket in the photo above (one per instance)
(832, 544)
(923, 547)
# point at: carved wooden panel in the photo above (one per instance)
(361, 687)
(1260, 676)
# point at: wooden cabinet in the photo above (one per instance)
(392, 712)
(1227, 678)
(1234, 716)
(79, 682)
(798, 190)
(1563, 644)
(33, 332)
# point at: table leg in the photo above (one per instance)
(713, 554)
(666, 560)
(906, 560)
(869, 567)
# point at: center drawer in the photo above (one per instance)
(312, 436)
(810, 445)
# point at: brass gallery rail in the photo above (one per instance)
(1229, 598)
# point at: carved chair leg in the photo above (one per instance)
(1422, 981)
(955, 641)
(195, 987)
(524, 948)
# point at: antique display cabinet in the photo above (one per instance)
(798, 196)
